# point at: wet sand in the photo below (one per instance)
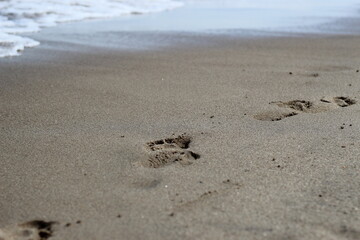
(268, 147)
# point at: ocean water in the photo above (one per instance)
(24, 16)
(20, 17)
(264, 15)
(258, 15)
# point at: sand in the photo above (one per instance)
(235, 139)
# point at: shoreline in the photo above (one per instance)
(151, 31)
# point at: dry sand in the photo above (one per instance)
(81, 133)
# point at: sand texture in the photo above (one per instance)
(240, 139)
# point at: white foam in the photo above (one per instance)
(24, 16)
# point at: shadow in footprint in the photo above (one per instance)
(344, 101)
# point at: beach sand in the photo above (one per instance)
(237, 139)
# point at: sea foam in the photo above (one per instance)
(24, 16)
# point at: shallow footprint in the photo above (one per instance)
(32, 230)
(170, 150)
(299, 106)
(305, 106)
(274, 116)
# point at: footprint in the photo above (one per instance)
(348, 232)
(33, 230)
(344, 101)
(146, 183)
(226, 187)
(166, 151)
(299, 106)
(331, 68)
(306, 106)
(274, 116)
